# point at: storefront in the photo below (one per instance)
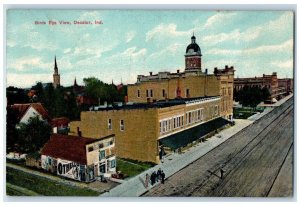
(79, 158)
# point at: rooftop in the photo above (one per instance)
(157, 104)
(68, 147)
(21, 109)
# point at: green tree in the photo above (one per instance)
(33, 135)
(94, 88)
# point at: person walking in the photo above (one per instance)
(222, 173)
(159, 174)
(163, 177)
(147, 180)
(152, 178)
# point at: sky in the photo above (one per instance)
(132, 42)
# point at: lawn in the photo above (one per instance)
(132, 168)
(40, 185)
(244, 113)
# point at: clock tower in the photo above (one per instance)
(193, 57)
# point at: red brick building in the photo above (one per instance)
(277, 87)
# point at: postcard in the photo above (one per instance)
(149, 103)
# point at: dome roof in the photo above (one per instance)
(193, 47)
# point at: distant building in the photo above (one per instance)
(277, 87)
(60, 125)
(56, 76)
(79, 158)
(164, 110)
(24, 112)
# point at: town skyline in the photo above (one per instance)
(255, 43)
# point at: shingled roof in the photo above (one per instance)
(21, 109)
(67, 147)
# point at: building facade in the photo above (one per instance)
(141, 128)
(79, 158)
(164, 110)
(191, 83)
(277, 87)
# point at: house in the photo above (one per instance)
(24, 112)
(79, 158)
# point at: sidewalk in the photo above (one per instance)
(269, 108)
(173, 163)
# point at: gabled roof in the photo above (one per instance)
(21, 109)
(67, 147)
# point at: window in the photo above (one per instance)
(111, 142)
(109, 124)
(112, 163)
(163, 93)
(102, 154)
(122, 127)
(151, 93)
(90, 148)
(187, 93)
(138, 93)
(216, 110)
(102, 168)
(147, 93)
(100, 145)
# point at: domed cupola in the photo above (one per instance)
(193, 57)
(193, 48)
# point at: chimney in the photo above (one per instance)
(226, 66)
(150, 73)
(178, 71)
(78, 132)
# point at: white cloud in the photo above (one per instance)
(218, 18)
(165, 30)
(286, 46)
(172, 49)
(24, 63)
(130, 35)
(15, 79)
(67, 50)
(283, 64)
(235, 35)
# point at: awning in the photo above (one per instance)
(181, 139)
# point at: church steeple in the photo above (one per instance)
(55, 66)
(56, 76)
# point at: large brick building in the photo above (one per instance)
(277, 87)
(170, 109)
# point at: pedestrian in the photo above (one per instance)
(155, 177)
(147, 180)
(163, 177)
(222, 173)
(152, 178)
(159, 174)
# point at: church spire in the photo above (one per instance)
(55, 66)
(75, 82)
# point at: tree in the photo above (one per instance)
(252, 96)
(11, 132)
(94, 87)
(33, 135)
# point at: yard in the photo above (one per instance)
(245, 112)
(132, 168)
(21, 183)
